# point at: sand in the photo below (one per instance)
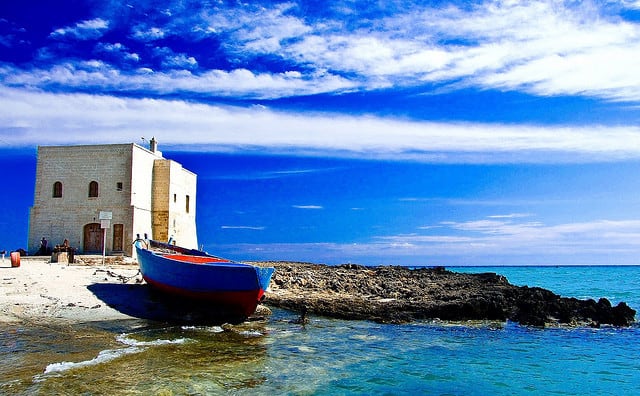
(87, 291)
(40, 290)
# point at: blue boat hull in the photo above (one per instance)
(234, 287)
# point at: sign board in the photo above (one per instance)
(106, 215)
(105, 223)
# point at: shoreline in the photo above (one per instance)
(88, 291)
(398, 294)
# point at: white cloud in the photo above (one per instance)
(254, 29)
(253, 228)
(32, 117)
(312, 207)
(171, 60)
(267, 175)
(85, 30)
(631, 4)
(541, 47)
(510, 216)
(145, 33)
(236, 83)
(118, 50)
(570, 243)
(490, 237)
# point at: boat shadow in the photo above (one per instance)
(143, 302)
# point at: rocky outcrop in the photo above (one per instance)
(398, 294)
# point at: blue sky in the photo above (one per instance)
(413, 132)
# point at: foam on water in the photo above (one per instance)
(128, 340)
(251, 333)
(135, 346)
(103, 357)
(211, 329)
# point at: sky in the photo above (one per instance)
(392, 132)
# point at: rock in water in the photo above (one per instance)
(400, 294)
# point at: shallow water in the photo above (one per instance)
(328, 356)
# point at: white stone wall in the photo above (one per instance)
(171, 218)
(142, 187)
(131, 205)
(75, 167)
(182, 221)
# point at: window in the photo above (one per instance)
(119, 186)
(175, 198)
(93, 189)
(57, 189)
(187, 206)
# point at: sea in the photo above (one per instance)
(280, 356)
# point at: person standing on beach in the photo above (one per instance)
(43, 247)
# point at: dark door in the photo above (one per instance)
(118, 230)
(92, 238)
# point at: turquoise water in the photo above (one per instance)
(617, 283)
(329, 356)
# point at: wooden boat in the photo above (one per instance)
(235, 288)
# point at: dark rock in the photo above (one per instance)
(393, 294)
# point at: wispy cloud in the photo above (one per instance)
(146, 33)
(493, 237)
(268, 52)
(481, 242)
(593, 242)
(269, 175)
(510, 216)
(631, 4)
(85, 30)
(253, 228)
(312, 207)
(32, 117)
(543, 47)
(242, 83)
(117, 50)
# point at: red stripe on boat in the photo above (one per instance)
(245, 302)
(195, 259)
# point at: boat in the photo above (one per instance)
(232, 287)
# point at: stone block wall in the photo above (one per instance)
(130, 180)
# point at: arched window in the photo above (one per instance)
(57, 189)
(93, 189)
(187, 204)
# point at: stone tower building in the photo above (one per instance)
(97, 193)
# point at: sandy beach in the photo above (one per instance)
(87, 291)
(38, 289)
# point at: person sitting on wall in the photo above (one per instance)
(66, 249)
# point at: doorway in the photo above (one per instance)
(118, 236)
(92, 238)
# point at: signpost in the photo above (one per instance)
(105, 223)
